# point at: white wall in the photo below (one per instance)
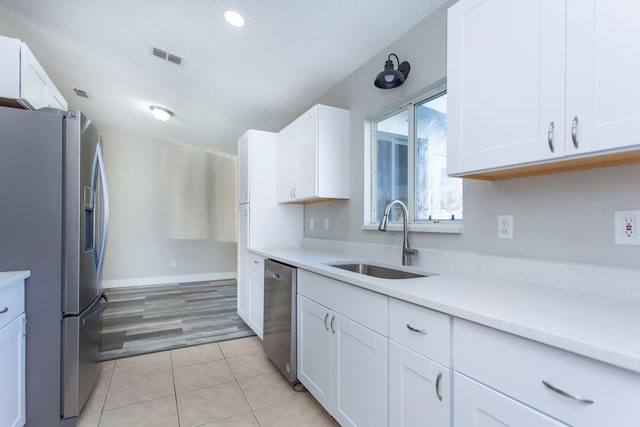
(566, 217)
(168, 203)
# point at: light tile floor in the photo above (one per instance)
(225, 384)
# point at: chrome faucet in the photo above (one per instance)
(406, 250)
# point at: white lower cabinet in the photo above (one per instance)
(419, 366)
(480, 406)
(341, 362)
(419, 390)
(359, 374)
(565, 386)
(256, 301)
(12, 367)
(314, 349)
(13, 333)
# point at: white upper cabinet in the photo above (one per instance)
(313, 156)
(603, 65)
(540, 82)
(23, 81)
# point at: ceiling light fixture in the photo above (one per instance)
(234, 18)
(160, 113)
(390, 77)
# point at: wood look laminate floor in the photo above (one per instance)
(147, 319)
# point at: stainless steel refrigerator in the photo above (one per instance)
(54, 218)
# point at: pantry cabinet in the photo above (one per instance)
(262, 222)
(23, 81)
(342, 359)
(313, 157)
(541, 86)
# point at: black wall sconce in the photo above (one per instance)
(390, 77)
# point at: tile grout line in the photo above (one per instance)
(175, 392)
(238, 384)
(106, 394)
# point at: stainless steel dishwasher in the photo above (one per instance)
(279, 329)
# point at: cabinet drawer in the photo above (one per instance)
(517, 367)
(422, 330)
(11, 301)
(368, 308)
(255, 263)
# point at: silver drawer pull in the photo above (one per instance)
(256, 262)
(438, 386)
(420, 331)
(567, 394)
(4, 310)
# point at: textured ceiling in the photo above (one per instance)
(261, 76)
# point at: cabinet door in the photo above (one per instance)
(243, 169)
(419, 393)
(359, 370)
(256, 302)
(307, 140)
(480, 406)
(505, 83)
(9, 68)
(12, 373)
(55, 98)
(242, 279)
(286, 164)
(314, 349)
(33, 80)
(603, 64)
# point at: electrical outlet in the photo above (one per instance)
(174, 264)
(626, 223)
(505, 226)
(312, 224)
(326, 224)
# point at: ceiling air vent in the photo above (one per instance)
(81, 93)
(163, 54)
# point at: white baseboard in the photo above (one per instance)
(163, 280)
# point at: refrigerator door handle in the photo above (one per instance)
(105, 210)
(96, 311)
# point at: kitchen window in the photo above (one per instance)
(409, 163)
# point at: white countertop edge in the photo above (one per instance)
(579, 331)
(8, 277)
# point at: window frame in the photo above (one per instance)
(430, 226)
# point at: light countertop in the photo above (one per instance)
(7, 277)
(599, 327)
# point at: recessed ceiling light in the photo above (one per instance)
(160, 113)
(234, 18)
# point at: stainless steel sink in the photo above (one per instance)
(379, 271)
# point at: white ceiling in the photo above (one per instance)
(260, 76)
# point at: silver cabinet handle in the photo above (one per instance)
(567, 394)
(574, 132)
(438, 386)
(420, 331)
(256, 262)
(326, 316)
(550, 137)
(332, 319)
(4, 310)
